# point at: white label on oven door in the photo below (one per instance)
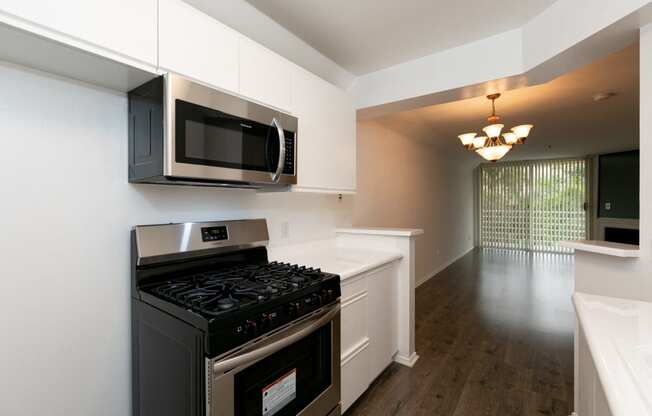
(279, 393)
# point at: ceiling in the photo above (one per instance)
(568, 122)
(367, 35)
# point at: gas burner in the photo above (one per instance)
(226, 303)
(297, 280)
(266, 292)
(215, 292)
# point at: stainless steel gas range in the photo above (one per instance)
(218, 330)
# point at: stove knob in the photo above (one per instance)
(266, 320)
(294, 309)
(314, 300)
(326, 295)
(251, 327)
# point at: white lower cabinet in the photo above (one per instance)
(591, 399)
(382, 319)
(368, 329)
(354, 375)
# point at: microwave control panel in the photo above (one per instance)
(288, 168)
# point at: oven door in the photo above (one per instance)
(293, 372)
(215, 136)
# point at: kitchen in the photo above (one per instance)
(66, 78)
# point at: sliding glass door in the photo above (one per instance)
(532, 205)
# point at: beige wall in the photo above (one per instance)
(407, 183)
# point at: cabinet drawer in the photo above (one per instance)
(355, 379)
(353, 286)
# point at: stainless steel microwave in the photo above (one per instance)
(182, 132)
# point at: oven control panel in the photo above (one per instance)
(245, 327)
(271, 319)
(219, 233)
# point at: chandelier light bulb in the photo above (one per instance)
(467, 139)
(494, 153)
(522, 131)
(479, 142)
(493, 130)
(510, 138)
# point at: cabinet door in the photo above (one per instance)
(601, 404)
(354, 331)
(197, 46)
(326, 144)
(354, 340)
(265, 76)
(382, 324)
(124, 27)
(586, 378)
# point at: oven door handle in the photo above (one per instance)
(281, 150)
(301, 331)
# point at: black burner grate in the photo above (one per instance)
(221, 291)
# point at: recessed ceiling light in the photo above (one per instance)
(603, 96)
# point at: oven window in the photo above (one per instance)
(295, 376)
(209, 137)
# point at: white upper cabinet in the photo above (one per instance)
(326, 139)
(131, 41)
(123, 27)
(197, 46)
(265, 76)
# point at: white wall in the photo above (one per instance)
(584, 31)
(629, 278)
(404, 182)
(65, 215)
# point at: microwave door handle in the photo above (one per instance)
(276, 176)
(304, 330)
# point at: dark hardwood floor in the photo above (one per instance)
(494, 332)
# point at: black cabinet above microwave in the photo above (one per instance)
(184, 133)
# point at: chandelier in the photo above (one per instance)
(492, 146)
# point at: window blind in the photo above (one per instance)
(532, 205)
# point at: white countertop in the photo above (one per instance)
(400, 232)
(603, 247)
(326, 255)
(619, 335)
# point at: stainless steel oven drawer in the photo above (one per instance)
(293, 371)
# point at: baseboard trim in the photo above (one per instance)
(407, 361)
(433, 273)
